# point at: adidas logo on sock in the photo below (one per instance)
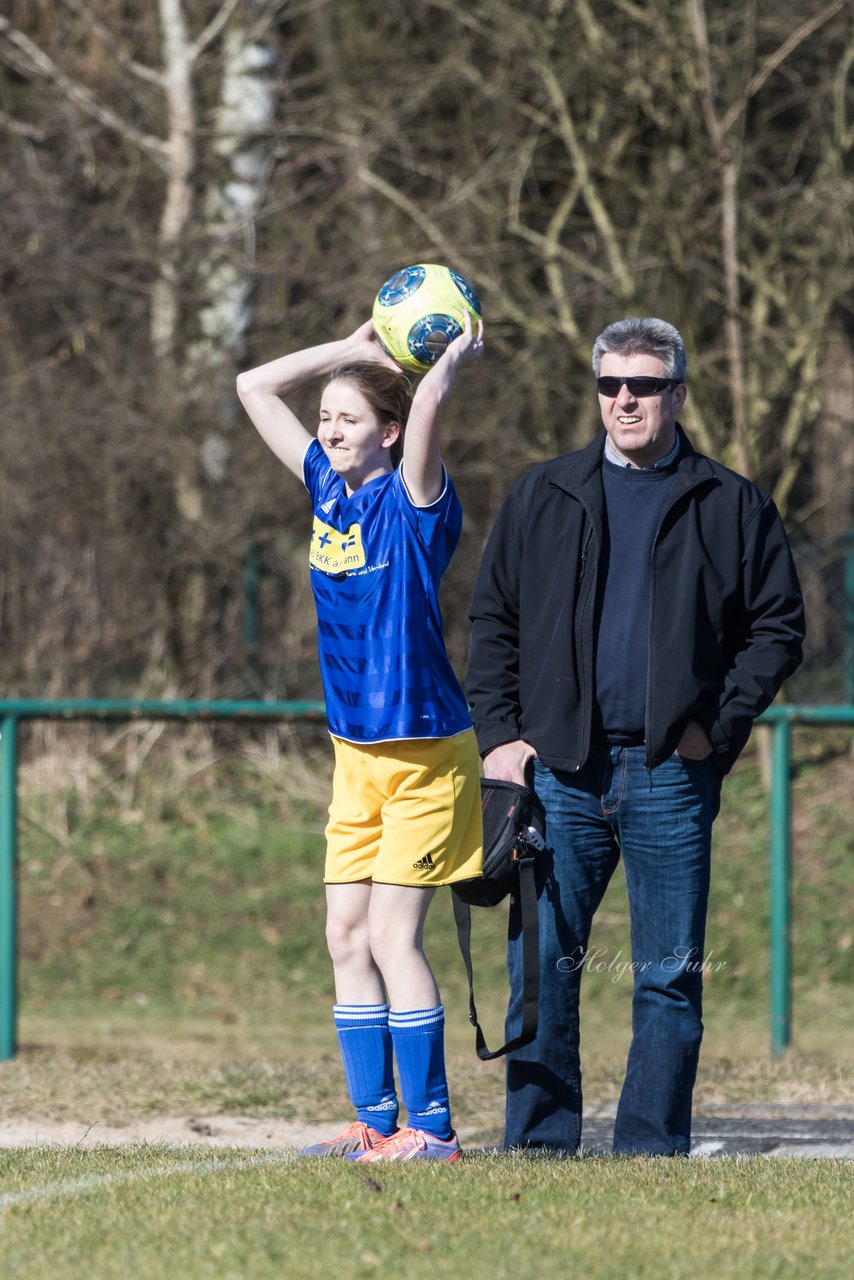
(424, 864)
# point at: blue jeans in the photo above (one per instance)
(660, 822)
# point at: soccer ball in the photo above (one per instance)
(419, 310)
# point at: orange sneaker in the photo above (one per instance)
(354, 1140)
(410, 1144)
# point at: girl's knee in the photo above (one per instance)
(347, 939)
(390, 945)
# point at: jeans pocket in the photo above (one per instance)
(704, 777)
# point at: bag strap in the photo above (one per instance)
(530, 957)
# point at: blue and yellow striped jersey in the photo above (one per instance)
(376, 562)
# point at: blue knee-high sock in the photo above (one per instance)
(366, 1050)
(419, 1047)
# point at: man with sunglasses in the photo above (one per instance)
(636, 608)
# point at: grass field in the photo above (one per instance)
(172, 964)
(156, 1214)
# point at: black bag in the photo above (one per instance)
(512, 838)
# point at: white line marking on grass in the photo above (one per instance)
(92, 1181)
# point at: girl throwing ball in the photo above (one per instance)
(405, 811)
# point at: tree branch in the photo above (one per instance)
(39, 64)
(729, 173)
(771, 65)
(21, 129)
(108, 39)
(596, 205)
(181, 159)
(212, 30)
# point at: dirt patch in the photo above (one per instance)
(810, 1132)
(180, 1131)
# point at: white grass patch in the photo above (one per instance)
(95, 1181)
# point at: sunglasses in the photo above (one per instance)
(638, 387)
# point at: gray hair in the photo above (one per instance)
(646, 336)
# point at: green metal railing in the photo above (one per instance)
(781, 720)
(848, 620)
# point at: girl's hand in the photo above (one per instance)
(364, 345)
(468, 346)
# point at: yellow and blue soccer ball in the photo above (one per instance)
(419, 311)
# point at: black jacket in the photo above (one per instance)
(726, 620)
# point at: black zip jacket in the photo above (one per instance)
(726, 618)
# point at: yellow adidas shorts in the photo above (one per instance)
(405, 812)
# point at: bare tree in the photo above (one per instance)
(192, 184)
(207, 174)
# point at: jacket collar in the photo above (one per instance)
(582, 470)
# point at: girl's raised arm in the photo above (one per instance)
(422, 464)
(261, 390)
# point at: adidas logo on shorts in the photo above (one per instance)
(424, 864)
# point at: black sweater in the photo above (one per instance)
(634, 503)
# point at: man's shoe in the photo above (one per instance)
(411, 1144)
(356, 1139)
